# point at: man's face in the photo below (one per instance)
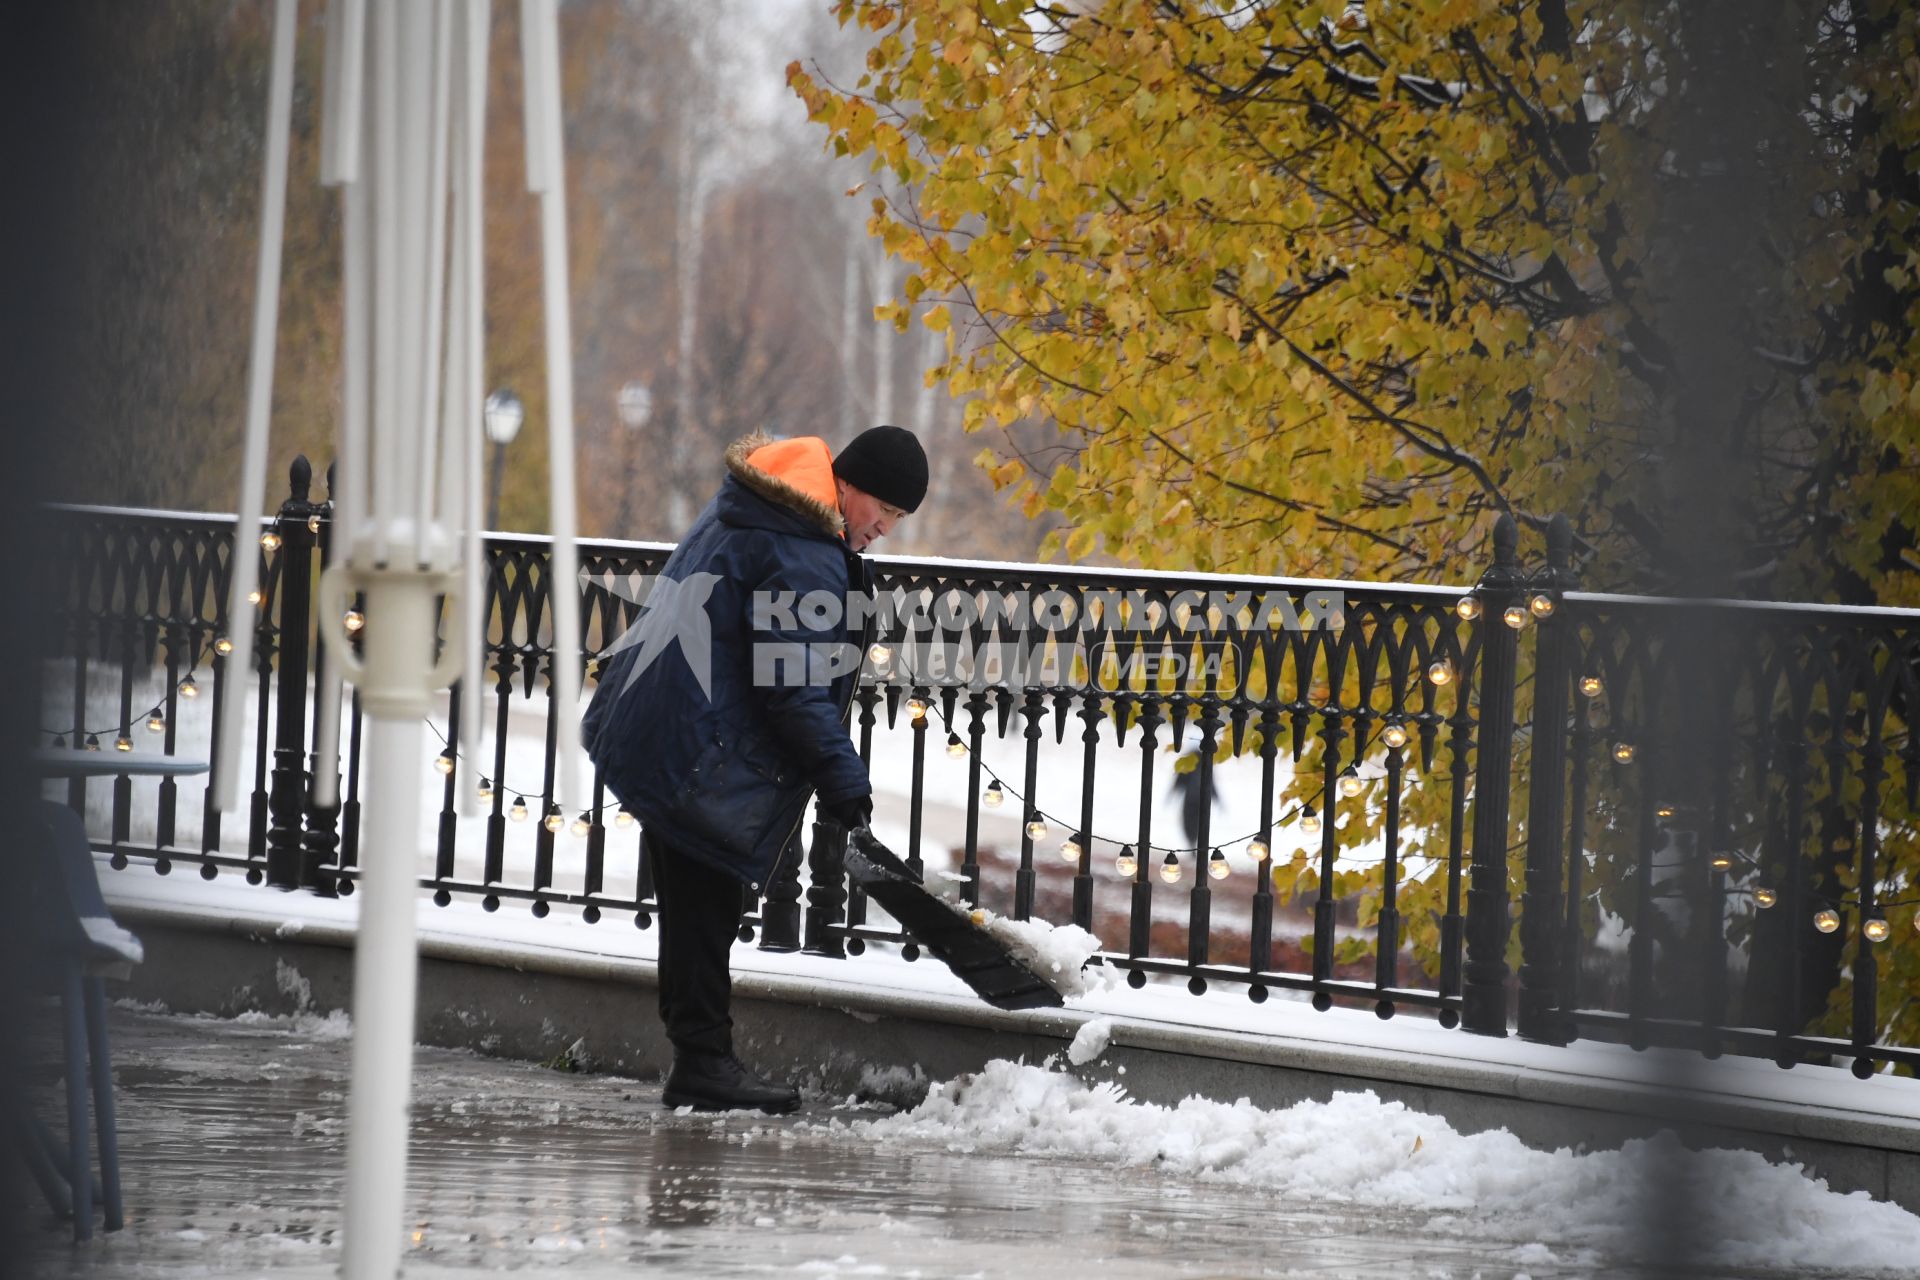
(868, 518)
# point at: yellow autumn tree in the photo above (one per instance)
(1313, 287)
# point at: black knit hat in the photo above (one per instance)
(888, 463)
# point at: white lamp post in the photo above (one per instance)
(503, 415)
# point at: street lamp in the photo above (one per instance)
(502, 415)
(634, 404)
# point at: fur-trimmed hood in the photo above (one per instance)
(796, 474)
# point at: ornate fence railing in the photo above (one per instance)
(1381, 734)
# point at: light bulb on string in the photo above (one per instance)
(519, 810)
(1258, 850)
(1541, 605)
(1623, 752)
(1125, 863)
(485, 789)
(1826, 920)
(1394, 735)
(1036, 827)
(313, 524)
(354, 620)
(917, 708)
(1217, 866)
(1070, 849)
(1170, 868)
(156, 723)
(555, 820)
(188, 689)
(1441, 671)
(1350, 784)
(582, 825)
(93, 742)
(222, 646)
(1876, 929)
(1591, 686)
(1664, 811)
(623, 819)
(1309, 820)
(123, 743)
(1514, 616)
(59, 742)
(994, 796)
(879, 654)
(955, 747)
(256, 597)
(1720, 861)
(269, 541)
(1468, 607)
(1764, 898)
(444, 763)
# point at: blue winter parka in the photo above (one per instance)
(724, 707)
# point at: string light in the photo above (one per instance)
(59, 742)
(223, 646)
(485, 789)
(1664, 811)
(256, 597)
(623, 819)
(1468, 607)
(1876, 929)
(1309, 820)
(1591, 686)
(269, 541)
(879, 654)
(1070, 850)
(519, 810)
(955, 747)
(917, 708)
(1258, 850)
(188, 689)
(1514, 616)
(123, 743)
(313, 524)
(1036, 826)
(1350, 784)
(1217, 866)
(156, 723)
(1720, 861)
(1541, 606)
(555, 819)
(582, 824)
(444, 763)
(354, 620)
(1170, 867)
(1394, 735)
(1826, 920)
(1764, 898)
(1441, 672)
(93, 742)
(994, 796)
(1125, 863)
(1623, 752)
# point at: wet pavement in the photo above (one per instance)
(233, 1141)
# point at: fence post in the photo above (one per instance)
(1484, 993)
(780, 904)
(827, 891)
(1540, 912)
(287, 793)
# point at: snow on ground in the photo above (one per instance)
(1357, 1149)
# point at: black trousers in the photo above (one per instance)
(699, 916)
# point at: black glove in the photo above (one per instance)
(850, 813)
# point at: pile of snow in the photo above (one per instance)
(1357, 1149)
(1056, 953)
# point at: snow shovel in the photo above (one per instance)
(976, 957)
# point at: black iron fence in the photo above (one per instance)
(1395, 732)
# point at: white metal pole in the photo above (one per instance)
(466, 427)
(394, 685)
(540, 20)
(384, 439)
(245, 566)
(435, 553)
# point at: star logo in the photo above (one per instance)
(672, 611)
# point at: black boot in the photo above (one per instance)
(719, 1082)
